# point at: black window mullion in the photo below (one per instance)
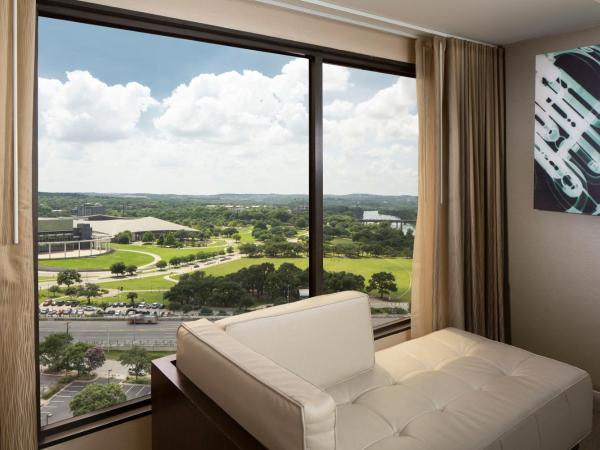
(315, 174)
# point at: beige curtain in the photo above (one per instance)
(18, 408)
(459, 276)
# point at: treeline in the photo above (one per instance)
(263, 283)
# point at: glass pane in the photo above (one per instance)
(173, 185)
(370, 186)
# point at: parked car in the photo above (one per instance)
(46, 303)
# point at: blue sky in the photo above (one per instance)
(111, 99)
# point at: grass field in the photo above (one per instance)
(46, 278)
(157, 282)
(167, 253)
(246, 236)
(400, 267)
(102, 262)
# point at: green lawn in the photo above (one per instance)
(157, 282)
(400, 267)
(246, 236)
(102, 262)
(167, 253)
(46, 278)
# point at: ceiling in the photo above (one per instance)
(499, 22)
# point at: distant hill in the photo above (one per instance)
(57, 204)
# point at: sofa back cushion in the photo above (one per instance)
(324, 339)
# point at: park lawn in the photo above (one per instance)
(101, 262)
(337, 241)
(246, 236)
(400, 267)
(157, 282)
(46, 278)
(233, 266)
(166, 253)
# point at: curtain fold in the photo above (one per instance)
(459, 276)
(18, 392)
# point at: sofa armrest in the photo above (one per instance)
(280, 409)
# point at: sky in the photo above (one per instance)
(128, 112)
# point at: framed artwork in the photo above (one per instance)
(567, 131)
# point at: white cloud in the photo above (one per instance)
(336, 78)
(84, 109)
(371, 147)
(240, 109)
(227, 132)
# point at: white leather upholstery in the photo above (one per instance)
(309, 336)
(276, 406)
(449, 390)
(452, 390)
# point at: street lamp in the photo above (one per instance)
(67, 328)
(108, 379)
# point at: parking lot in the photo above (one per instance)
(57, 407)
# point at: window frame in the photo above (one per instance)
(95, 14)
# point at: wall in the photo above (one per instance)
(554, 257)
(254, 17)
(132, 435)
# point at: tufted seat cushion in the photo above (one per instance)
(455, 390)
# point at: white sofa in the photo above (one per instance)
(305, 376)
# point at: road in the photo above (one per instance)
(121, 334)
(114, 333)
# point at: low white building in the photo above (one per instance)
(136, 225)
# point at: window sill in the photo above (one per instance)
(392, 327)
(75, 427)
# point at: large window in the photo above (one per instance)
(177, 180)
(370, 185)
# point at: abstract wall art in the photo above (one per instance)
(567, 131)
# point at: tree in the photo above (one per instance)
(175, 261)
(170, 240)
(148, 237)
(96, 396)
(237, 237)
(74, 357)
(94, 358)
(252, 250)
(54, 290)
(118, 268)
(382, 282)
(71, 291)
(131, 296)
(90, 290)
(160, 240)
(52, 350)
(124, 237)
(68, 277)
(161, 264)
(229, 231)
(137, 359)
(230, 249)
(131, 269)
(342, 281)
